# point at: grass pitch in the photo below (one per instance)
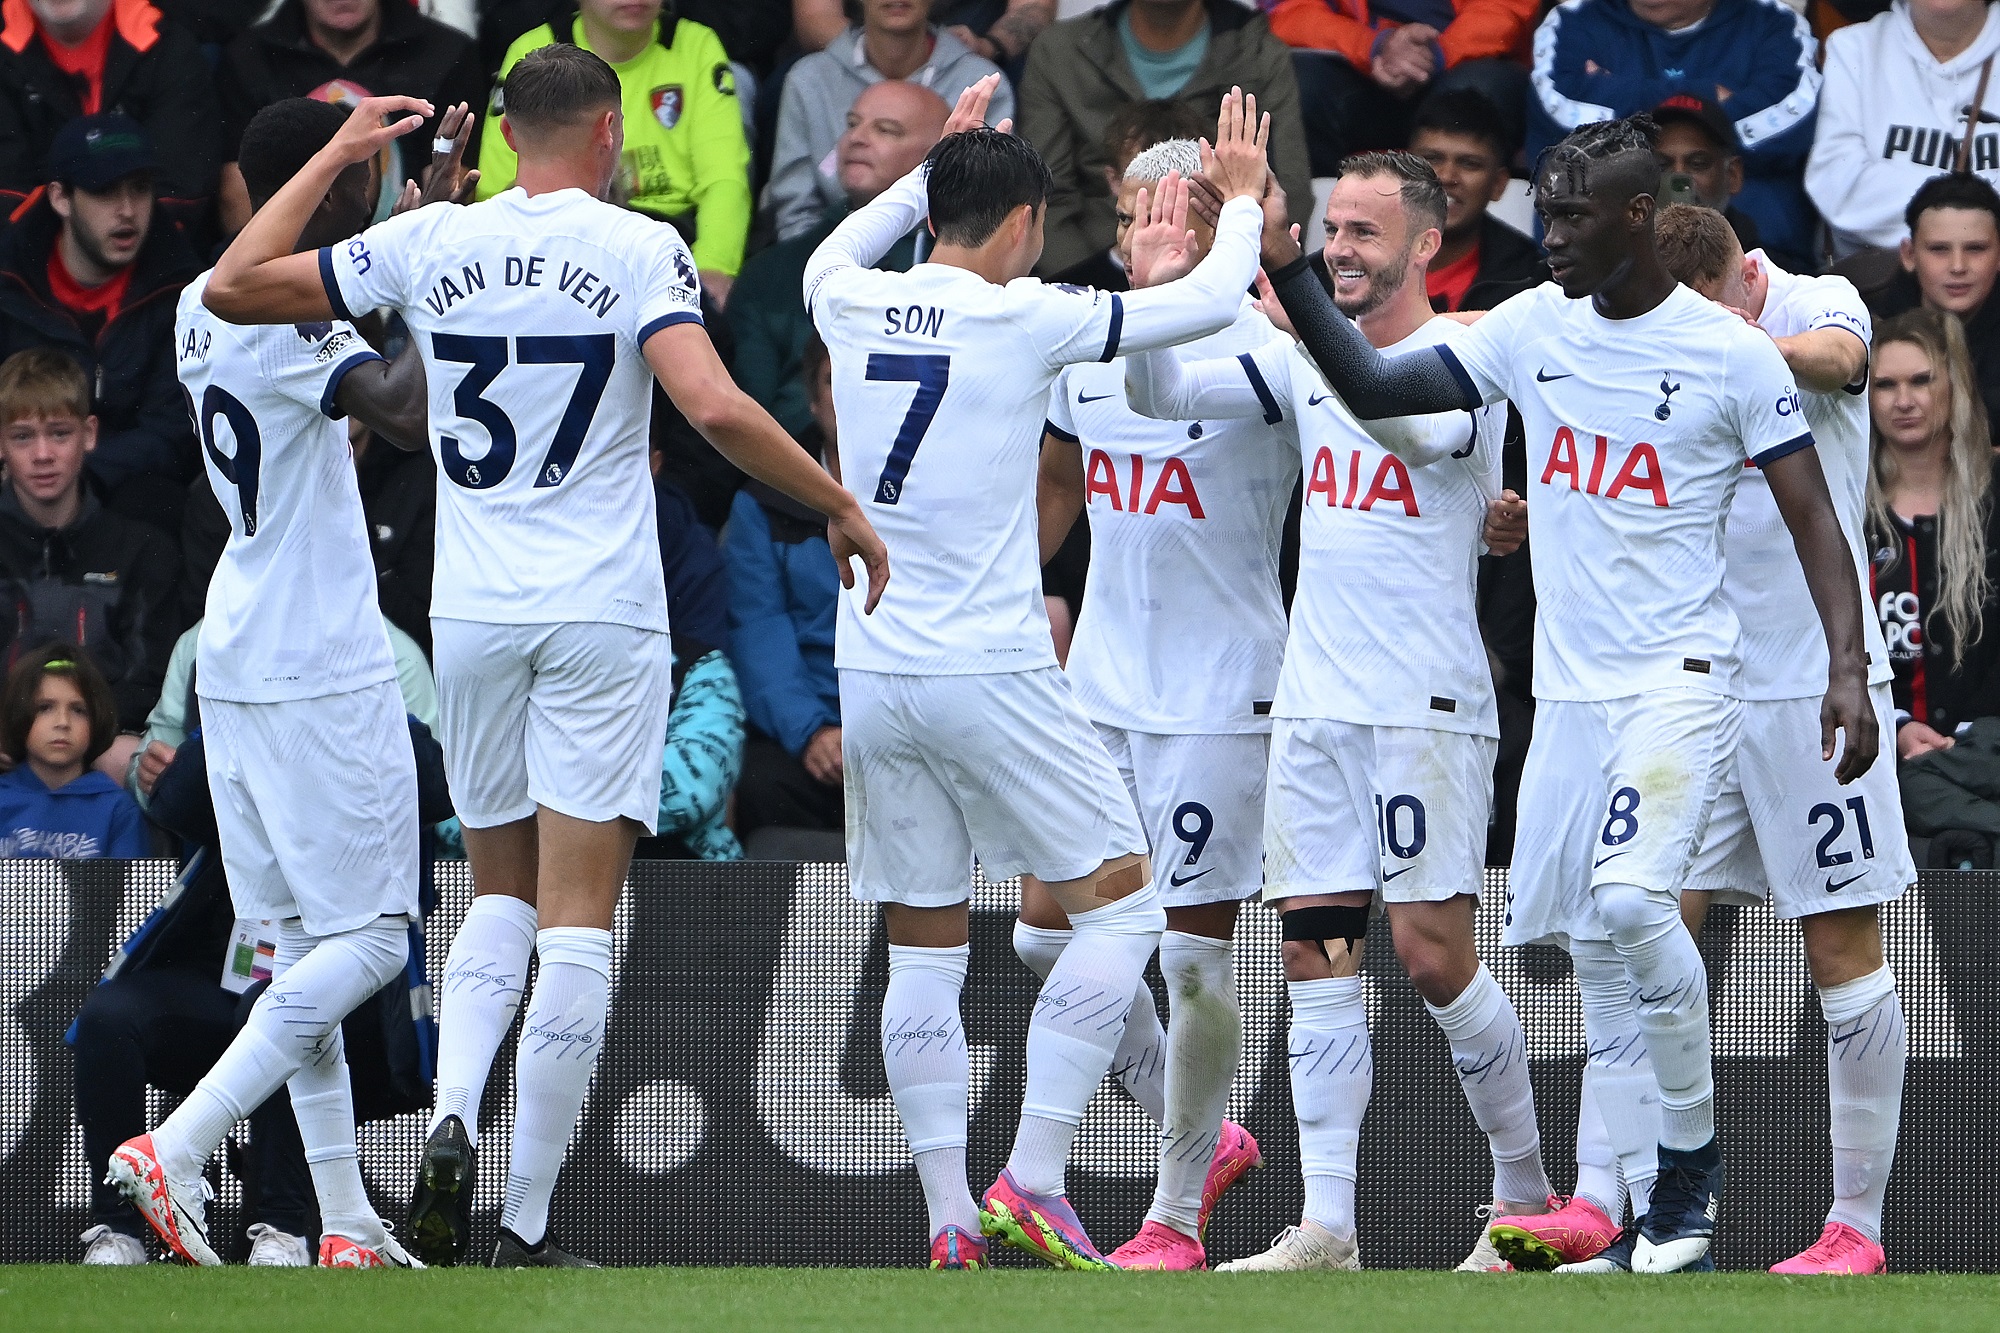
(875, 1301)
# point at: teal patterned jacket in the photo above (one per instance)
(703, 758)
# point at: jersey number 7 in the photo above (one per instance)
(931, 374)
(594, 353)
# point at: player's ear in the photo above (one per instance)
(1734, 174)
(1909, 253)
(507, 133)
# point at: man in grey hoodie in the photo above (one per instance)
(894, 40)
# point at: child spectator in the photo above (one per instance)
(60, 59)
(1893, 113)
(1082, 70)
(58, 718)
(686, 158)
(71, 569)
(1482, 261)
(1951, 259)
(90, 268)
(1601, 59)
(895, 39)
(341, 51)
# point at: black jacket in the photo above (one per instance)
(153, 73)
(106, 583)
(1509, 264)
(399, 498)
(413, 56)
(142, 416)
(1928, 688)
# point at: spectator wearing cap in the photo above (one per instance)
(890, 128)
(61, 59)
(1602, 59)
(1083, 70)
(1697, 141)
(1482, 261)
(342, 51)
(895, 39)
(1951, 260)
(1363, 68)
(686, 158)
(1893, 114)
(89, 268)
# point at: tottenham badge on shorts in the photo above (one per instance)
(667, 103)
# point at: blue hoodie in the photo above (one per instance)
(1759, 50)
(89, 817)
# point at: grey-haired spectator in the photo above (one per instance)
(60, 59)
(1482, 261)
(91, 268)
(342, 51)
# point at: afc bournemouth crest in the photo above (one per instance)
(667, 104)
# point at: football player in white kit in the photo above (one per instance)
(1820, 854)
(1641, 403)
(543, 316)
(1175, 659)
(961, 735)
(1381, 779)
(307, 748)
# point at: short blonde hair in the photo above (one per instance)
(1697, 245)
(42, 382)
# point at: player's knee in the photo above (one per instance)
(1439, 971)
(1841, 946)
(1323, 940)
(1634, 916)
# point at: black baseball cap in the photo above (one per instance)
(1699, 110)
(92, 152)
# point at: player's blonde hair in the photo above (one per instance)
(1963, 503)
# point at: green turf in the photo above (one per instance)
(162, 1298)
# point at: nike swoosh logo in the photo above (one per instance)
(1544, 377)
(1176, 881)
(1842, 1038)
(1317, 399)
(1613, 857)
(1393, 873)
(1832, 887)
(1096, 398)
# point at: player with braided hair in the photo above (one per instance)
(1641, 402)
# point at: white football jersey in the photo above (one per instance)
(291, 608)
(1637, 430)
(1183, 628)
(530, 314)
(941, 384)
(1784, 646)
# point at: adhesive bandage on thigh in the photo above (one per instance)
(1670, 993)
(1867, 1050)
(1204, 1047)
(925, 1058)
(1620, 1070)
(1112, 882)
(1489, 1053)
(1078, 1022)
(1140, 1062)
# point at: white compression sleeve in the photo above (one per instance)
(1160, 385)
(1140, 1062)
(869, 232)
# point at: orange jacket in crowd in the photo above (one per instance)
(1478, 28)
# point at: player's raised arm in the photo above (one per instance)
(1799, 486)
(1825, 360)
(685, 363)
(258, 280)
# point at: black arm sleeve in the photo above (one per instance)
(1372, 385)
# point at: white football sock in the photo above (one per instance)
(1622, 1080)
(1204, 1046)
(560, 1041)
(484, 977)
(924, 1055)
(288, 1027)
(1140, 1062)
(1670, 994)
(1489, 1053)
(1333, 1072)
(1867, 1048)
(1596, 1163)
(1078, 1023)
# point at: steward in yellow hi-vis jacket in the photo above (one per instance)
(685, 155)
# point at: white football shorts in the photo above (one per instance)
(316, 804)
(1397, 811)
(570, 716)
(1003, 766)
(1201, 802)
(1786, 833)
(1615, 791)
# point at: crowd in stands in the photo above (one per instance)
(1849, 136)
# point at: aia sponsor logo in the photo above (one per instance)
(1171, 485)
(1339, 480)
(1638, 475)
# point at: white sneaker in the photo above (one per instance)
(1307, 1246)
(102, 1245)
(1484, 1258)
(272, 1248)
